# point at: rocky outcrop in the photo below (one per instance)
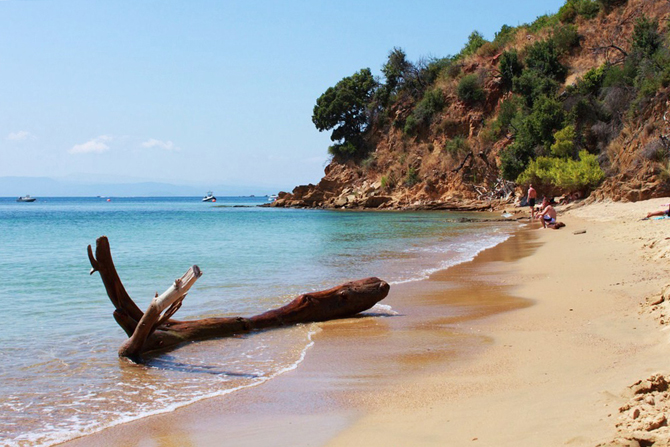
(341, 188)
(643, 420)
(451, 160)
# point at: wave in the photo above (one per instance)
(456, 252)
(79, 426)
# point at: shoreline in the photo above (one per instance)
(473, 346)
(335, 337)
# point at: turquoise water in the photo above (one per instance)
(59, 373)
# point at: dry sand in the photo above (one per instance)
(535, 343)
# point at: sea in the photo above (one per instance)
(60, 376)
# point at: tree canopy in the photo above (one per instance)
(344, 109)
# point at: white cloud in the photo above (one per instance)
(21, 135)
(165, 145)
(95, 146)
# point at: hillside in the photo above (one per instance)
(573, 103)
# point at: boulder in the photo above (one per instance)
(376, 201)
(300, 191)
(330, 185)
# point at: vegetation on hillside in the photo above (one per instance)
(513, 107)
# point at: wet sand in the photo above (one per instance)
(533, 343)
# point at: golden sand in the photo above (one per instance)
(535, 343)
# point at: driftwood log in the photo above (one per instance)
(155, 330)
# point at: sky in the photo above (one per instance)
(203, 92)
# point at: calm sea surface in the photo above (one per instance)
(59, 373)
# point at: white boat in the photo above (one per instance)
(26, 199)
(209, 197)
(272, 198)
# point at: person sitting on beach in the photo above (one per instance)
(663, 213)
(532, 194)
(548, 215)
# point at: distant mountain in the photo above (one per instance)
(49, 187)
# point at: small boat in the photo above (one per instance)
(26, 199)
(272, 198)
(209, 197)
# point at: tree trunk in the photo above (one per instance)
(155, 330)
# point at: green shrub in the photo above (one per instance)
(543, 57)
(384, 182)
(505, 35)
(432, 103)
(396, 69)
(592, 80)
(564, 145)
(546, 117)
(618, 76)
(510, 67)
(587, 8)
(572, 8)
(438, 68)
(469, 89)
(646, 38)
(542, 22)
(475, 40)
(412, 177)
(488, 135)
(567, 13)
(514, 159)
(608, 5)
(410, 128)
(565, 38)
(489, 49)
(565, 175)
(535, 134)
(456, 146)
(647, 82)
(389, 181)
(533, 85)
(454, 70)
(510, 109)
(344, 150)
(585, 112)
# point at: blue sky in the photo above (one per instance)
(202, 92)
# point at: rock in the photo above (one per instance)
(300, 191)
(376, 201)
(656, 422)
(635, 413)
(314, 197)
(655, 383)
(340, 202)
(621, 442)
(331, 185)
(643, 437)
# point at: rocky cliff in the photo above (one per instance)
(453, 159)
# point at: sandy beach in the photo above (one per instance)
(537, 342)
